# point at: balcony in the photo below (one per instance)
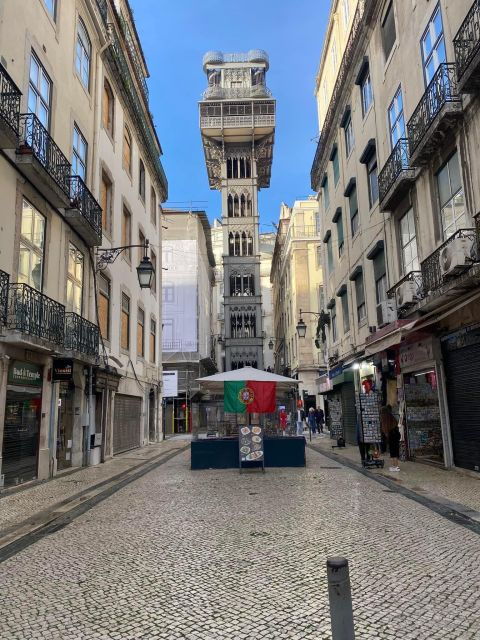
(451, 267)
(81, 335)
(436, 113)
(84, 212)
(134, 58)
(102, 8)
(396, 177)
(34, 314)
(9, 111)
(407, 292)
(39, 158)
(215, 92)
(4, 282)
(467, 51)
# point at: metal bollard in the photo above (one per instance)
(340, 596)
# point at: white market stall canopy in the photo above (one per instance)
(215, 383)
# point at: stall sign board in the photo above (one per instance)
(62, 369)
(25, 373)
(170, 384)
(250, 442)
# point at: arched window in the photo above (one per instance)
(249, 251)
(83, 54)
(230, 206)
(229, 168)
(108, 107)
(236, 207)
(127, 150)
(237, 249)
(235, 168)
(249, 206)
(242, 167)
(244, 244)
(242, 205)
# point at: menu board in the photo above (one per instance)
(250, 442)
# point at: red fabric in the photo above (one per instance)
(264, 394)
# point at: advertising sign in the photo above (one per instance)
(250, 441)
(170, 384)
(25, 373)
(62, 369)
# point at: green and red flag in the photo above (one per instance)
(249, 396)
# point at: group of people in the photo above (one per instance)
(315, 420)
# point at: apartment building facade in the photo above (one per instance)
(396, 171)
(297, 282)
(79, 173)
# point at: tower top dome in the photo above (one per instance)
(258, 55)
(213, 57)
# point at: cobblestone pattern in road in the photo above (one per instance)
(214, 555)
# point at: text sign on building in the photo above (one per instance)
(62, 369)
(413, 354)
(170, 384)
(25, 373)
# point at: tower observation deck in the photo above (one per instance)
(237, 123)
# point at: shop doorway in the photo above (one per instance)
(65, 425)
(424, 430)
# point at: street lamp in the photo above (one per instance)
(301, 327)
(323, 321)
(270, 344)
(145, 270)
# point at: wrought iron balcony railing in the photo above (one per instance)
(232, 93)
(467, 40)
(9, 100)
(412, 276)
(440, 265)
(441, 91)
(144, 128)
(398, 162)
(31, 312)
(4, 282)
(35, 139)
(102, 7)
(82, 199)
(81, 335)
(134, 57)
(345, 66)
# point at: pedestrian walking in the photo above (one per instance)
(319, 419)
(312, 423)
(300, 421)
(389, 426)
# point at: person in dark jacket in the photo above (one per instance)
(319, 419)
(389, 426)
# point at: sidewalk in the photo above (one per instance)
(460, 489)
(51, 495)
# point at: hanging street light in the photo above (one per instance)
(146, 273)
(270, 344)
(145, 270)
(301, 328)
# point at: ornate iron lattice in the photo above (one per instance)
(9, 100)
(82, 199)
(432, 276)
(134, 57)
(35, 139)
(102, 8)
(441, 91)
(32, 312)
(412, 276)
(4, 282)
(81, 335)
(398, 161)
(467, 40)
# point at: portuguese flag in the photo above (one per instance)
(249, 397)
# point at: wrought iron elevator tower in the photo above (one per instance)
(237, 122)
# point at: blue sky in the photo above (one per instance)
(175, 35)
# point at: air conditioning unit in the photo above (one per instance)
(386, 312)
(456, 255)
(406, 294)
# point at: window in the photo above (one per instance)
(372, 174)
(329, 255)
(106, 201)
(153, 205)
(153, 258)
(319, 256)
(51, 6)
(353, 206)
(396, 118)
(452, 200)
(360, 299)
(141, 180)
(153, 341)
(433, 46)
(126, 232)
(341, 242)
(349, 137)
(317, 223)
(367, 93)
(104, 306)
(326, 194)
(140, 332)
(168, 292)
(108, 108)
(79, 154)
(408, 243)
(336, 167)
(389, 34)
(75, 279)
(127, 150)
(83, 54)
(321, 298)
(141, 241)
(39, 91)
(125, 323)
(32, 246)
(380, 275)
(345, 314)
(333, 322)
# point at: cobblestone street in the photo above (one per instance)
(213, 555)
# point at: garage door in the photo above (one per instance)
(126, 423)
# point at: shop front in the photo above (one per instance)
(21, 433)
(127, 423)
(421, 402)
(341, 404)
